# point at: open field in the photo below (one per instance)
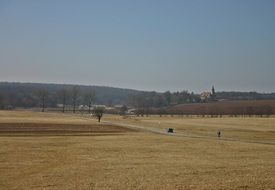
(237, 107)
(134, 159)
(36, 123)
(251, 129)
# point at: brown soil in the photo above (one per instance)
(59, 128)
(226, 107)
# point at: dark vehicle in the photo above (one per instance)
(170, 130)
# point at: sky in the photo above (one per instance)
(153, 45)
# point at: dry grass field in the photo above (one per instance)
(64, 151)
(250, 129)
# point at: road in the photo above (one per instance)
(181, 134)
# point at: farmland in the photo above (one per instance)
(65, 151)
(236, 107)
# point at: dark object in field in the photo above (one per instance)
(219, 133)
(170, 130)
(99, 113)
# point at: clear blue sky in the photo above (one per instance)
(140, 44)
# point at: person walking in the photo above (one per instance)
(219, 133)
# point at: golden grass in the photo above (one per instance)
(133, 160)
(238, 128)
(39, 117)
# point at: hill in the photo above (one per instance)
(15, 94)
(22, 94)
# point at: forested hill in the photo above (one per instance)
(24, 94)
(29, 95)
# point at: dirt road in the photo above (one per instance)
(181, 134)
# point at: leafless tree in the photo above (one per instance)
(75, 93)
(99, 113)
(63, 96)
(42, 95)
(89, 98)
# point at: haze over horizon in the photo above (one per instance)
(143, 45)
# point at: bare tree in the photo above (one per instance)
(75, 93)
(99, 113)
(89, 98)
(63, 96)
(42, 95)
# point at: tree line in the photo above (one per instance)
(69, 97)
(66, 97)
(144, 102)
(26, 95)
